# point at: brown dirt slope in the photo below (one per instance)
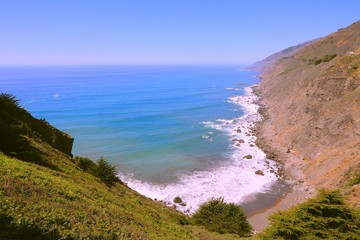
(313, 109)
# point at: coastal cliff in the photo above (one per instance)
(311, 104)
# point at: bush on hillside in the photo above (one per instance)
(106, 172)
(221, 217)
(326, 58)
(86, 164)
(101, 169)
(326, 216)
(329, 57)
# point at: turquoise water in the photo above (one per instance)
(158, 124)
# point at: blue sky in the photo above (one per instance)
(73, 32)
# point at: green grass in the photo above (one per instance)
(37, 202)
(79, 206)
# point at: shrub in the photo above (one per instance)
(329, 57)
(86, 164)
(106, 172)
(318, 61)
(326, 58)
(326, 216)
(101, 169)
(221, 217)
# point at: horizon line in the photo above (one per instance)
(126, 64)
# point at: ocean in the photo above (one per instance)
(172, 131)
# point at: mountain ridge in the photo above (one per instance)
(275, 57)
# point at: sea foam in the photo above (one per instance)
(246, 171)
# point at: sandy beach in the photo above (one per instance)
(259, 218)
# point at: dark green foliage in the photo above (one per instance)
(326, 216)
(317, 61)
(86, 164)
(329, 57)
(101, 169)
(106, 172)
(326, 58)
(10, 129)
(8, 100)
(221, 217)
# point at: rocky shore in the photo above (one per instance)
(289, 168)
(310, 103)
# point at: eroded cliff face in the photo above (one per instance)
(313, 101)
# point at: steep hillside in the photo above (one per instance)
(313, 110)
(31, 139)
(46, 194)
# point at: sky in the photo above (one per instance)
(89, 32)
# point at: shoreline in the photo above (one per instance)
(289, 171)
(248, 169)
(257, 132)
(259, 218)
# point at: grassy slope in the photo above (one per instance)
(79, 205)
(53, 204)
